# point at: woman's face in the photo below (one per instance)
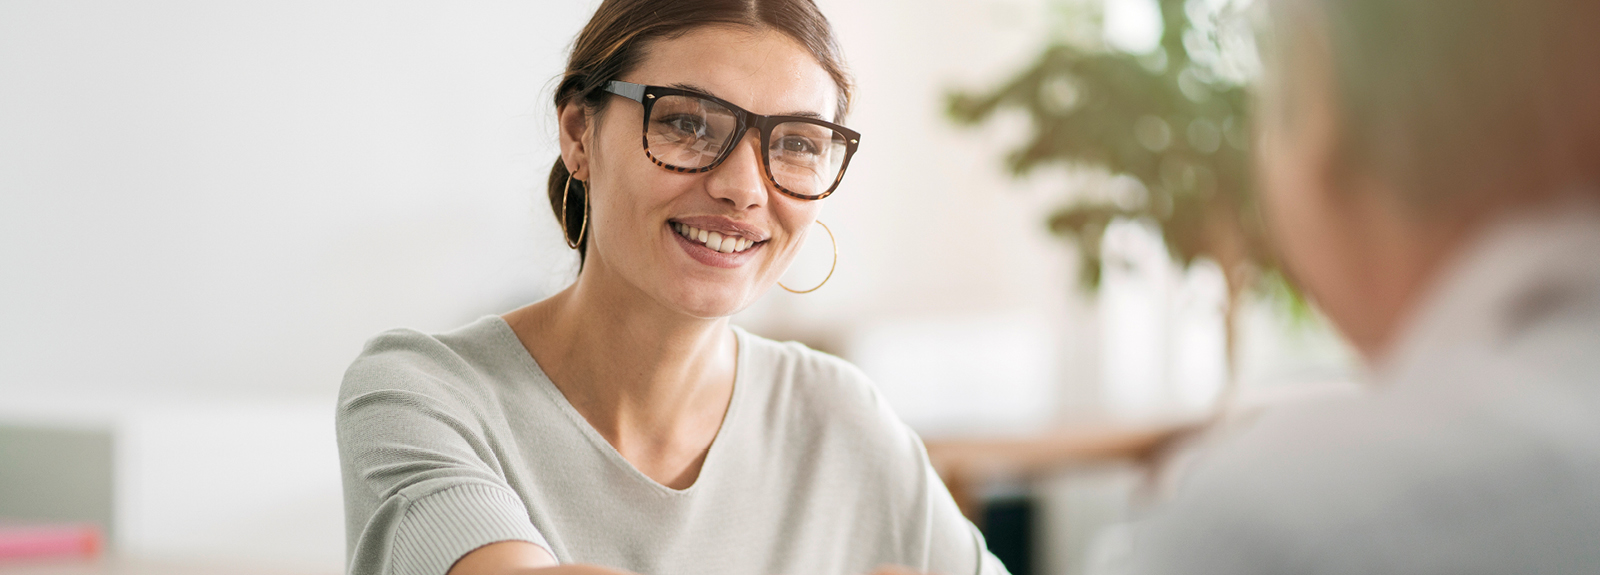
(637, 209)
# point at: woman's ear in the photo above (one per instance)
(575, 138)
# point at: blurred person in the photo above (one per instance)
(1431, 169)
(623, 423)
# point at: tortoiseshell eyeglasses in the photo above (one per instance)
(690, 132)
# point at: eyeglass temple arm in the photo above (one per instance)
(628, 90)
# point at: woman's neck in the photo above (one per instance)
(655, 383)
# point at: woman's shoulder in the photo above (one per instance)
(443, 366)
(806, 370)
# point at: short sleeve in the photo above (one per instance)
(423, 486)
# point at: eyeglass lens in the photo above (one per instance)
(690, 133)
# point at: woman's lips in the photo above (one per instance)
(703, 253)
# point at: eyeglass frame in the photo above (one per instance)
(647, 96)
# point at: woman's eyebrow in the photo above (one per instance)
(694, 88)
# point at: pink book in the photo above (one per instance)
(42, 541)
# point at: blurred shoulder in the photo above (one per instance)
(1266, 495)
(1331, 486)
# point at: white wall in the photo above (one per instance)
(230, 197)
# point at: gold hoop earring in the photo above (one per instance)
(831, 267)
(565, 235)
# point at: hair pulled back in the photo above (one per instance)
(612, 43)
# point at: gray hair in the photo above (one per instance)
(1455, 102)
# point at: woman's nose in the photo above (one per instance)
(739, 180)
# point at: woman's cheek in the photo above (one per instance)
(791, 250)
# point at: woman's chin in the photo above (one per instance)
(713, 302)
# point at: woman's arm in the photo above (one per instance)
(520, 558)
(524, 558)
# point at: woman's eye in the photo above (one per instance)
(793, 145)
(687, 125)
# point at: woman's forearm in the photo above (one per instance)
(520, 558)
(523, 558)
(573, 570)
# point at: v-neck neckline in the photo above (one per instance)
(543, 383)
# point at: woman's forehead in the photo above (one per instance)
(763, 71)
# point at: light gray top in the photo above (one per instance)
(1478, 450)
(451, 442)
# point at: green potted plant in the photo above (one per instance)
(1175, 119)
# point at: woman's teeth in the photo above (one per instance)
(713, 240)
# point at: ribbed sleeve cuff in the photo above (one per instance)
(439, 529)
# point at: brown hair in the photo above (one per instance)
(611, 45)
(1460, 104)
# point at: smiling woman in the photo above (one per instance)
(623, 423)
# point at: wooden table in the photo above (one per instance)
(966, 464)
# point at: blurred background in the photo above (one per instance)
(206, 208)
